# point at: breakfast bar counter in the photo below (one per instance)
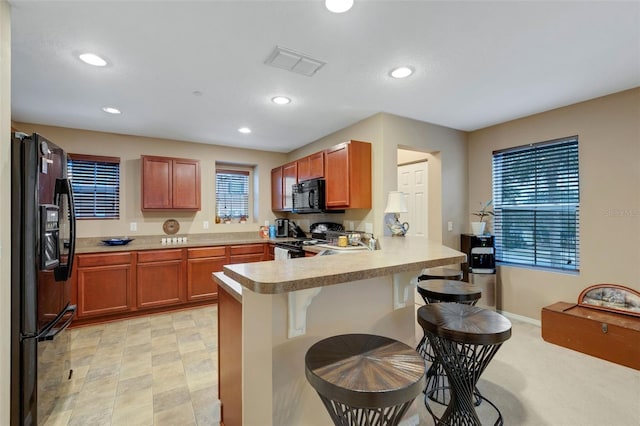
(286, 306)
(397, 255)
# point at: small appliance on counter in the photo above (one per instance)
(282, 228)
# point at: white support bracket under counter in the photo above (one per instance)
(401, 287)
(299, 302)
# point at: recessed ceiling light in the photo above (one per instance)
(196, 93)
(338, 6)
(92, 59)
(280, 100)
(244, 130)
(401, 72)
(111, 110)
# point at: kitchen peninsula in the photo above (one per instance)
(285, 306)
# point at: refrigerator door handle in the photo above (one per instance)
(50, 332)
(63, 187)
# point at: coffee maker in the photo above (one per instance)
(282, 228)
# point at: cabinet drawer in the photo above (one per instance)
(247, 249)
(87, 260)
(195, 253)
(246, 258)
(159, 255)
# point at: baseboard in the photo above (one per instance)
(521, 318)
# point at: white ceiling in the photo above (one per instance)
(476, 64)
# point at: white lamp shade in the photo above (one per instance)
(396, 203)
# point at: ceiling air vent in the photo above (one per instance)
(289, 60)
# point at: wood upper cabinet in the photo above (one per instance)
(276, 189)
(311, 167)
(201, 263)
(282, 179)
(161, 278)
(104, 284)
(289, 178)
(170, 183)
(348, 176)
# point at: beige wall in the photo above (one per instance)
(447, 169)
(609, 152)
(130, 148)
(5, 208)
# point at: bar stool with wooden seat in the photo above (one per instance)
(440, 273)
(465, 339)
(363, 379)
(442, 291)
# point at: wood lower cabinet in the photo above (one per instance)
(247, 253)
(348, 176)
(271, 252)
(108, 286)
(160, 278)
(105, 284)
(201, 263)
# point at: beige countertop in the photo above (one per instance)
(398, 254)
(153, 242)
(230, 286)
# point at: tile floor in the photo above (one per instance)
(152, 370)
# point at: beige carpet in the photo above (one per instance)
(537, 383)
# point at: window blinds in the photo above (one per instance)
(232, 193)
(536, 201)
(96, 186)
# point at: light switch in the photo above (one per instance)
(450, 226)
(133, 226)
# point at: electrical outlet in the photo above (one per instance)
(349, 225)
(450, 226)
(205, 224)
(368, 228)
(133, 226)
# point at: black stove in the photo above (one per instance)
(295, 247)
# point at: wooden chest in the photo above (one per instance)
(611, 336)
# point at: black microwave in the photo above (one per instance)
(308, 196)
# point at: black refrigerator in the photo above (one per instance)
(42, 249)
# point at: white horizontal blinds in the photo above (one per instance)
(536, 197)
(232, 193)
(96, 186)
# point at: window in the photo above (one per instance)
(232, 194)
(536, 201)
(96, 186)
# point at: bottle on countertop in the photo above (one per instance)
(372, 243)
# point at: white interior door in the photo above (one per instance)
(412, 181)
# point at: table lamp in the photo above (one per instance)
(396, 205)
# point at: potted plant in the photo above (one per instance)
(478, 227)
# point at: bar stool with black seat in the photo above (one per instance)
(465, 339)
(363, 379)
(442, 291)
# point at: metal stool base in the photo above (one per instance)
(464, 421)
(344, 415)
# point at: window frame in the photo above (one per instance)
(71, 157)
(552, 240)
(247, 171)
